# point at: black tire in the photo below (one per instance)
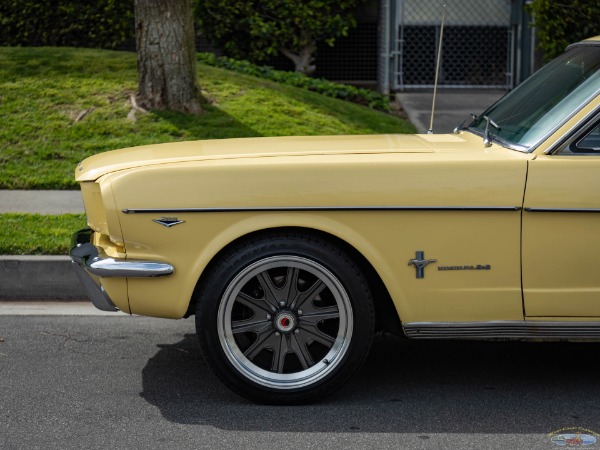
(285, 318)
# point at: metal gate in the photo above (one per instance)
(477, 49)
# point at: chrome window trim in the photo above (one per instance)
(544, 138)
(586, 43)
(316, 208)
(573, 134)
(561, 124)
(501, 142)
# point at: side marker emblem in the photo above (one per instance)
(168, 221)
(420, 262)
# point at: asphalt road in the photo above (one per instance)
(119, 382)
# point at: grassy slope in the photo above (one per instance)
(34, 234)
(42, 90)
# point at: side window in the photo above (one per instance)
(586, 141)
(589, 143)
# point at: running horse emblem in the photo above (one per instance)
(420, 262)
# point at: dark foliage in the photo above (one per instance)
(74, 23)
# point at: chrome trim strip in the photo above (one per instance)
(556, 146)
(503, 330)
(318, 208)
(110, 267)
(584, 43)
(564, 210)
(561, 124)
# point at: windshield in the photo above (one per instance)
(544, 101)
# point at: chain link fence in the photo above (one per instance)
(478, 39)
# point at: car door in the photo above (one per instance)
(561, 230)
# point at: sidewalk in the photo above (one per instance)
(451, 107)
(52, 278)
(41, 202)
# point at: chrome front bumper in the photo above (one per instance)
(91, 263)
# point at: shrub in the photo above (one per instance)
(361, 96)
(73, 23)
(259, 29)
(559, 24)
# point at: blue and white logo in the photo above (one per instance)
(573, 438)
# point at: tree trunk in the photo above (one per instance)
(166, 56)
(304, 60)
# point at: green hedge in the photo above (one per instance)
(559, 24)
(365, 97)
(73, 23)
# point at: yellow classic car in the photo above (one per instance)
(291, 252)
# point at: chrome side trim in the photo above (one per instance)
(503, 330)
(318, 208)
(564, 210)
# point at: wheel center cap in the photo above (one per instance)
(285, 322)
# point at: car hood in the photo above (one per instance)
(101, 164)
(95, 166)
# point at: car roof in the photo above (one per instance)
(590, 41)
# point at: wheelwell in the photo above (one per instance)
(386, 316)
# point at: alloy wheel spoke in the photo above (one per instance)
(298, 346)
(257, 326)
(280, 351)
(330, 312)
(264, 340)
(258, 306)
(290, 289)
(310, 294)
(316, 335)
(269, 289)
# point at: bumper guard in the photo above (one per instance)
(91, 263)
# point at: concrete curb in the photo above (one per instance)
(39, 278)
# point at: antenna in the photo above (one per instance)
(437, 71)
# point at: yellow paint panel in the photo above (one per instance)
(388, 239)
(561, 248)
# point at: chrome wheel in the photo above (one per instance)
(284, 317)
(285, 322)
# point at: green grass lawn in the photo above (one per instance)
(35, 234)
(44, 90)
